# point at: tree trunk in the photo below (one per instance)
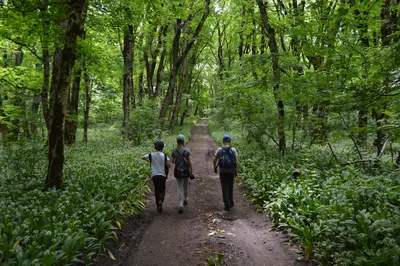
(14, 122)
(388, 27)
(87, 106)
(169, 97)
(178, 59)
(319, 109)
(160, 68)
(71, 122)
(127, 76)
(220, 54)
(140, 93)
(189, 83)
(152, 61)
(56, 136)
(362, 128)
(178, 99)
(362, 26)
(57, 57)
(269, 32)
(46, 65)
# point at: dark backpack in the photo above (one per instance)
(227, 161)
(182, 168)
(166, 169)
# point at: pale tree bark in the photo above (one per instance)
(127, 76)
(140, 86)
(71, 123)
(87, 105)
(3, 126)
(15, 125)
(46, 64)
(77, 9)
(160, 68)
(269, 32)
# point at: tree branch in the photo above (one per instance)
(26, 46)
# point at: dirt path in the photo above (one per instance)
(204, 229)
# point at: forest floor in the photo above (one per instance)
(204, 229)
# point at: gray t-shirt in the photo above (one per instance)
(157, 163)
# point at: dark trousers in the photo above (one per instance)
(159, 187)
(227, 187)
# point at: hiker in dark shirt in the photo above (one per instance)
(226, 159)
(182, 158)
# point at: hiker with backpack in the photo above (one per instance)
(226, 159)
(160, 164)
(182, 158)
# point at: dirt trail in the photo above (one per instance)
(204, 229)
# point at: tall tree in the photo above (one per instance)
(75, 29)
(128, 97)
(71, 121)
(269, 32)
(178, 54)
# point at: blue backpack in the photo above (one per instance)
(227, 161)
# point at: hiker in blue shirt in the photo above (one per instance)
(160, 164)
(226, 159)
(182, 158)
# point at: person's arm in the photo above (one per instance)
(169, 162)
(173, 158)
(190, 163)
(215, 164)
(145, 157)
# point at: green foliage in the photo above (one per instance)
(144, 125)
(104, 183)
(216, 261)
(341, 216)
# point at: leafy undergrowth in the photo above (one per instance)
(104, 183)
(340, 215)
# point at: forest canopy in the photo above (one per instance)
(307, 82)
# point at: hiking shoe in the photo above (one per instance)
(180, 210)
(159, 207)
(231, 205)
(227, 208)
(185, 202)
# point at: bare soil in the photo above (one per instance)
(204, 229)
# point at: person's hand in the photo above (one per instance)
(215, 170)
(191, 176)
